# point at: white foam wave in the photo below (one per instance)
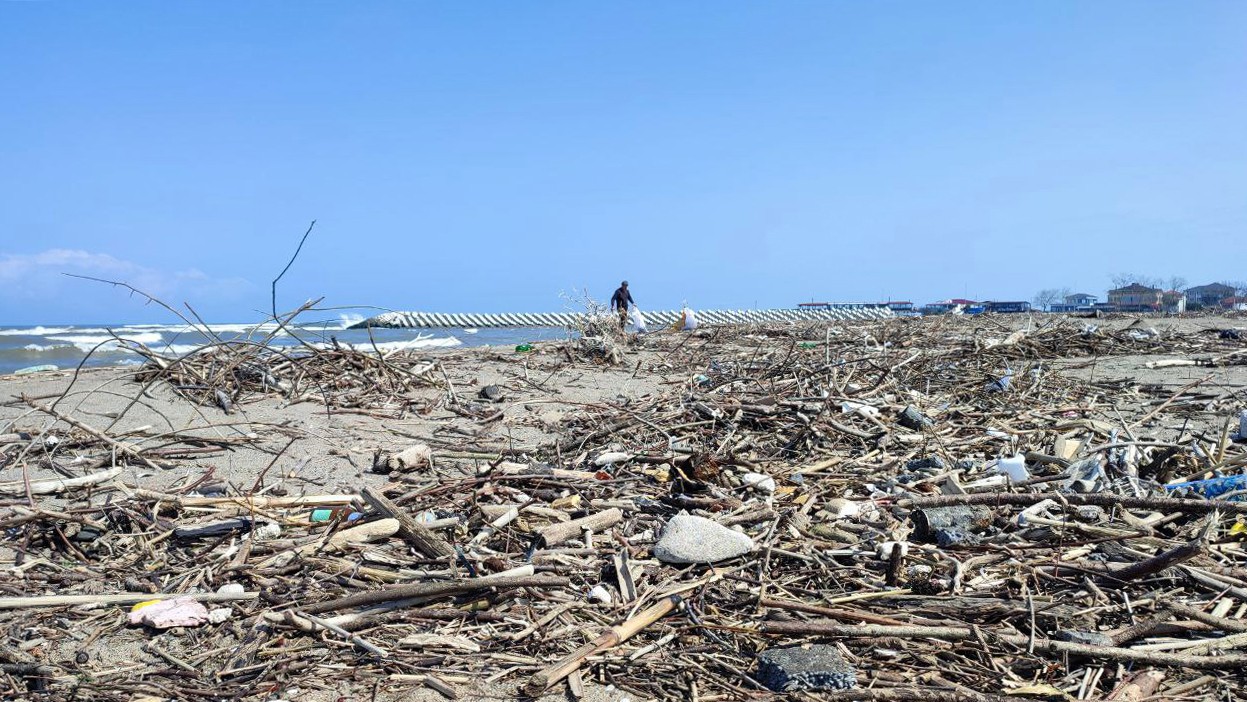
(215, 328)
(40, 348)
(35, 331)
(88, 342)
(91, 339)
(423, 342)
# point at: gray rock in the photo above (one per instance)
(819, 667)
(930, 463)
(911, 418)
(1086, 638)
(493, 393)
(961, 518)
(689, 539)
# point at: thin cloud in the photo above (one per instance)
(38, 275)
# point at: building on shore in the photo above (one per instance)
(1078, 302)
(953, 305)
(1208, 296)
(1135, 298)
(1010, 307)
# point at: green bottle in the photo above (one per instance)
(523, 348)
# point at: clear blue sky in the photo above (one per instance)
(487, 156)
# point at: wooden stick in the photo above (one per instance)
(413, 532)
(610, 638)
(842, 614)
(1137, 687)
(957, 633)
(47, 487)
(1159, 562)
(449, 587)
(120, 447)
(372, 531)
(556, 534)
(121, 599)
(1200, 615)
(248, 502)
(1160, 504)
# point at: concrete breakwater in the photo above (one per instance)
(418, 320)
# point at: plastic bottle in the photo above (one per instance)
(523, 348)
(334, 514)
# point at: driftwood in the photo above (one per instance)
(556, 534)
(55, 485)
(612, 637)
(859, 459)
(414, 533)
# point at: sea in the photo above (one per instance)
(68, 346)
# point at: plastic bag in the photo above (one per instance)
(638, 320)
(689, 319)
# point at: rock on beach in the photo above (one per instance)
(689, 539)
(818, 667)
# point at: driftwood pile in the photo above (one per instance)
(933, 509)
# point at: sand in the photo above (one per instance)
(330, 452)
(304, 449)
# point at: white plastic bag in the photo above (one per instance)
(690, 320)
(638, 320)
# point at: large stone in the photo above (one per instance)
(817, 667)
(688, 539)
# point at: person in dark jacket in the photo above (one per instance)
(620, 301)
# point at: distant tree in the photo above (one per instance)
(1240, 287)
(1176, 282)
(1044, 299)
(1121, 280)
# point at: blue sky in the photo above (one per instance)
(489, 156)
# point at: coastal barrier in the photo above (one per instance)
(429, 320)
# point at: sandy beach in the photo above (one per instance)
(690, 416)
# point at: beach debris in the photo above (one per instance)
(1012, 466)
(408, 459)
(759, 481)
(611, 458)
(795, 495)
(1083, 638)
(43, 368)
(949, 524)
(492, 393)
(690, 539)
(816, 667)
(166, 614)
(911, 418)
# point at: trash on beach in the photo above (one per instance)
(165, 614)
(408, 459)
(35, 369)
(677, 516)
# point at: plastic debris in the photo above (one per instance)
(165, 614)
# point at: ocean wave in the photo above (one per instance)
(92, 339)
(198, 329)
(35, 331)
(423, 342)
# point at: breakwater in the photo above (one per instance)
(430, 320)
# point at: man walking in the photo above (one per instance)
(620, 301)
